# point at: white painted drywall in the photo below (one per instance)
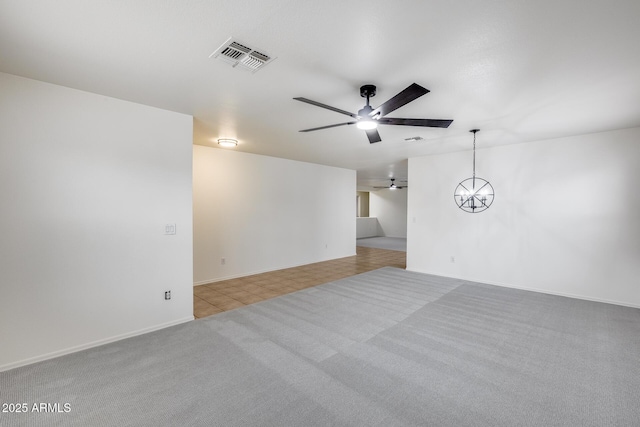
(366, 227)
(262, 213)
(88, 183)
(564, 219)
(390, 207)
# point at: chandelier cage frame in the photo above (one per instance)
(475, 194)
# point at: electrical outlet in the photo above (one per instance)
(167, 295)
(223, 261)
(453, 259)
(169, 229)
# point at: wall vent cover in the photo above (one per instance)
(239, 55)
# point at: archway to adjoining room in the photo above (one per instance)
(382, 219)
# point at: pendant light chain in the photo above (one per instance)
(474, 156)
(474, 153)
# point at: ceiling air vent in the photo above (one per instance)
(240, 55)
(414, 138)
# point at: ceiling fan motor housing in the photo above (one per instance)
(365, 111)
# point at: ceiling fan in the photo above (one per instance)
(369, 118)
(393, 185)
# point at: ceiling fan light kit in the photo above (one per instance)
(367, 124)
(369, 118)
(474, 194)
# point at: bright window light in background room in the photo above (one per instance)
(227, 142)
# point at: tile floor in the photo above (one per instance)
(225, 295)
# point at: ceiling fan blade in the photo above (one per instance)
(411, 93)
(328, 107)
(326, 127)
(373, 136)
(433, 123)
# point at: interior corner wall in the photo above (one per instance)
(262, 213)
(564, 220)
(390, 207)
(88, 183)
(363, 208)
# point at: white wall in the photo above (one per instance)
(263, 213)
(366, 227)
(87, 184)
(390, 207)
(564, 220)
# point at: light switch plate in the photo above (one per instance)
(170, 229)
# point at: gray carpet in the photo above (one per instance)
(385, 348)
(390, 243)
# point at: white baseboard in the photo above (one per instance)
(542, 291)
(220, 279)
(92, 344)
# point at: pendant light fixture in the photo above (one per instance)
(474, 194)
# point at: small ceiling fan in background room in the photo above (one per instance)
(369, 118)
(393, 185)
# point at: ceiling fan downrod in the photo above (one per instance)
(367, 91)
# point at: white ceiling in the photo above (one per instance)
(518, 70)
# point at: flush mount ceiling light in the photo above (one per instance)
(474, 194)
(227, 142)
